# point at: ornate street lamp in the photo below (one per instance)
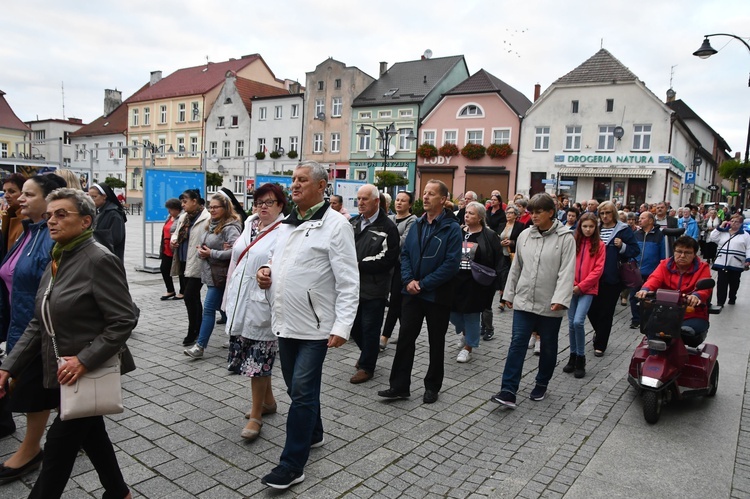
(385, 135)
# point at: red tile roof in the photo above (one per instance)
(8, 118)
(195, 80)
(115, 122)
(248, 89)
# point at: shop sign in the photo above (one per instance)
(611, 159)
(379, 164)
(438, 160)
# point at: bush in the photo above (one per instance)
(473, 151)
(275, 155)
(292, 154)
(115, 183)
(260, 155)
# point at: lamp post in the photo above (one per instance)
(704, 52)
(385, 135)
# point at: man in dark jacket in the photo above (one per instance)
(651, 242)
(430, 259)
(377, 241)
(662, 218)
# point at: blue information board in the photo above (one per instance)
(161, 185)
(283, 180)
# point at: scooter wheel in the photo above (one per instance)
(714, 381)
(652, 406)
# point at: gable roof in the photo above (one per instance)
(113, 123)
(249, 89)
(407, 82)
(195, 80)
(686, 113)
(8, 118)
(483, 82)
(602, 67)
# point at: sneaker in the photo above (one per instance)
(538, 393)
(196, 351)
(319, 443)
(635, 325)
(532, 341)
(505, 399)
(538, 348)
(463, 356)
(488, 335)
(282, 478)
(461, 341)
(225, 344)
(393, 394)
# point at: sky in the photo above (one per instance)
(87, 46)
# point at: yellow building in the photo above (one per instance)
(13, 133)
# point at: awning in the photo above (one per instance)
(605, 172)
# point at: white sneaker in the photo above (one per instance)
(538, 348)
(463, 356)
(196, 351)
(461, 341)
(532, 341)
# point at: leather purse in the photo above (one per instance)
(630, 275)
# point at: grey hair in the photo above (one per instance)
(511, 207)
(631, 215)
(83, 202)
(522, 202)
(481, 210)
(318, 172)
(374, 192)
(470, 193)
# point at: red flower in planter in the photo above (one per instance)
(427, 151)
(473, 151)
(499, 151)
(448, 150)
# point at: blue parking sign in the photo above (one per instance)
(689, 177)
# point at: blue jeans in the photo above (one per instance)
(366, 332)
(579, 307)
(210, 304)
(302, 367)
(468, 324)
(523, 325)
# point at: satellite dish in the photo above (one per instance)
(391, 149)
(370, 153)
(322, 116)
(618, 132)
(428, 54)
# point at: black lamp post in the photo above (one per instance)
(704, 52)
(385, 135)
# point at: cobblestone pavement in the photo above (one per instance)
(179, 435)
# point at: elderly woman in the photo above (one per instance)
(252, 345)
(21, 272)
(166, 254)
(621, 246)
(215, 251)
(109, 225)
(732, 257)
(92, 316)
(709, 224)
(480, 245)
(11, 222)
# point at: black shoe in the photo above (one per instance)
(730, 302)
(635, 325)
(188, 340)
(430, 397)
(489, 335)
(221, 321)
(393, 394)
(505, 399)
(282, 478)
(8, 475)
(167, 297)
(571, 365)
(538, 393)
(580, 370)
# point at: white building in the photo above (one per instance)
(52, 140)
(605, 135)
(276, 130)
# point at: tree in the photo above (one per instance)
(214, 179)
(115, 183)
(734, 169)
(387, 179)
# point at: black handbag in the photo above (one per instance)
(482, 274)
(630, 275)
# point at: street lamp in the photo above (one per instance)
(704, 52)
(385, 135)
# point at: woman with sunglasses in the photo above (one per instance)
(215, 251)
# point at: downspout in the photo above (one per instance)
(518, 154)
(669, 151)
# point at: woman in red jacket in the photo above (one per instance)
(681, 272)
(590, 255)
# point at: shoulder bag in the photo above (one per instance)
(96, 393)
(482, 274)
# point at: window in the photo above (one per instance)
(110, 150)
(404, 144)
(213, 148)
(574, 107)
(321, 85)
(262, 112)
(181, 113)
(195, 114)
(220, 122)
(318, 143)
(450, 137)
(277, 112)
(474, 136)
(40, 135)
(606, 138)
(75, 157)
(276, 143)
(385, 114)
(337, 82)
(239, 183)
(320, 106)
(181, 146)
(470, 110)
(501, 136)
(364, 141)
(335, 142)
(66, 138)
(95, 151)
(428, 137)
(135, 117)
(193, 145)
(4, 150)
(235, 121)
(295, 110)
(162, 114)
(146, 115)
(134, 182)
(120, 147)
(293, 143)
(336, 106)
(405, 113)
(541, 138)
(226, 149)
(572, 138)
(134, 149)
(365, 115)
(641, 137)
(240, 148)
(262, 145)
(162, 146)
(610, 105)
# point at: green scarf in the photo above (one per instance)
(57, 249)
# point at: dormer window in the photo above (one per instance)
(228, 100)
(471, 110)
(391, 92)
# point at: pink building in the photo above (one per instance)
(482, 110)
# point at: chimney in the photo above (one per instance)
(112, 99)
(294, 87)
(671, 94)
(537, 91)
(155, 78)
(77, 121)
(383, 68)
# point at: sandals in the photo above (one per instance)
(249, 433)
(267, 409)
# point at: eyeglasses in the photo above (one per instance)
(267, 203)
(60, 214)
(684, 253)
(211, 208)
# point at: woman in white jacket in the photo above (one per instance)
(252, 345)
(732, 257)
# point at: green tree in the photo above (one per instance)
(389, 179)
(115, 183)
(734, 169)
(214, 179)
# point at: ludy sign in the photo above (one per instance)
(438, 160)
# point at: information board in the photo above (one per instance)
(160, 185)
(347, 189)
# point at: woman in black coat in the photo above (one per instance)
(496, 214)
(109, 225)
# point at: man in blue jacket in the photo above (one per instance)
(689, 224)
(430, 259)
(650, 240)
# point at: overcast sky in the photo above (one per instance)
(90, 46)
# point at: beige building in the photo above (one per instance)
(13, 133)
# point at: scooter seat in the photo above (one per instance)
(691, 338)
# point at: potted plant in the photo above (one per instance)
(473, 151)
(275, 155)
(499, 151)
(448, 150)
(427, 151)
(292, 154)
(260, 155)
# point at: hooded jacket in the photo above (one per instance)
(668, 276)
(543, 271)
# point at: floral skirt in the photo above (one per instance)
(251, 358)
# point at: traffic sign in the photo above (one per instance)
(689, 177)
(567, 182)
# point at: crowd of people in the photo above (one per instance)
(292, 281)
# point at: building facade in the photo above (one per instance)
(15, 137)
(52, 140)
